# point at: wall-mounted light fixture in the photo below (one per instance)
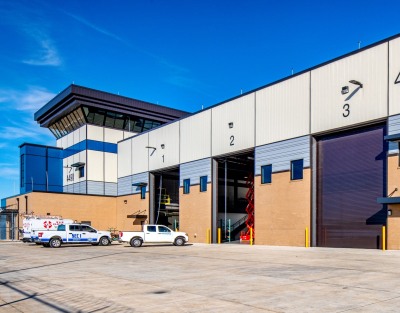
(356, 82)
(345, 89)
(389, 212)
(152, 152)
(230, 125)
(162, 146)
(125, 201)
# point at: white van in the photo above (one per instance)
(34, 222)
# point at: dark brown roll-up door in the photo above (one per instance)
(351, 175)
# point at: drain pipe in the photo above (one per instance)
(26, 204)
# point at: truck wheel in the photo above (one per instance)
(55, 243)
(104, 241)
(136, 242)
(179, 241)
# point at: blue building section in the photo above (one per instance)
(41, 168)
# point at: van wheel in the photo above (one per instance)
(179, 241)
(136, 242)
(104, 241)
(55, 243)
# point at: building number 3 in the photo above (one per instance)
(346, 109)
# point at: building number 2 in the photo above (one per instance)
(232, 143)
(346, 109)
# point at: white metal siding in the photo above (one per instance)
(139, 154)
(370, 67)
(194, 170)
(195, 140)
(124, 158)
(110, 167)
(95, 133)
(394, 76)
(279, 154)
(240, 112)
(283, 110)
(168, 136)
(113, 135)
(95, 165)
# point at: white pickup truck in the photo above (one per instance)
(72, 233)
(153, 234)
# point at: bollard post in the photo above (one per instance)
(207, 236)
(219, 235)
(251, 236)
(229, 230)
(307, 242)
(383, 238)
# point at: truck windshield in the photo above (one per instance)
(61, 227)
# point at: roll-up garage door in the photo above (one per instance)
(351, 175)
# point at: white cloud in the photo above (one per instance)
(46, 55)
(8, 171)
(30, 100)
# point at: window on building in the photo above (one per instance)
(81, 171)
(266, 174)
(203, 183)
(143, 192)
(186, 186)
(296, 169)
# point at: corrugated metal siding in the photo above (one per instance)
(282, 110)
(394, 76)
(110, 189)
(393, 128)
(95, 187)
(125, 185)
(140, 178)
(369, 67)
(194, 170)
(240, 112)
(195, 143)
(280, 154)
(76, 188)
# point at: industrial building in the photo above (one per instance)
(310, 159)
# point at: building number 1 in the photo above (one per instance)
(346, 109)
(163, 158)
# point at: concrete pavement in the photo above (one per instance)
(197, 278)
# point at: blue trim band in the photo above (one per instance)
(90, 145)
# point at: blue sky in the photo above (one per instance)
(183, 54)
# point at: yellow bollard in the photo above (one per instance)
(383, 238)
(251, 236)
(219, 235)
(207, 236)
(307, 241)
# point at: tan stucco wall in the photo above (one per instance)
(282, 210)
(393, 221)
(132, 206)
(195, 213)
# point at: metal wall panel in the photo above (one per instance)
(83, 132)
(95, 188)
(113, 135)
(95, 133)
(283, 110)
(140, 154)
(194, 170)
(393, 129)
(168, 136)
(140, 178)
(95, 165)
(240, 136)
(331, 109)
(195, 140)
(394, 76)
(110, 167)
(124, 158)
(279, 154)
(110, 189)
(129, 134)
(125, 185)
